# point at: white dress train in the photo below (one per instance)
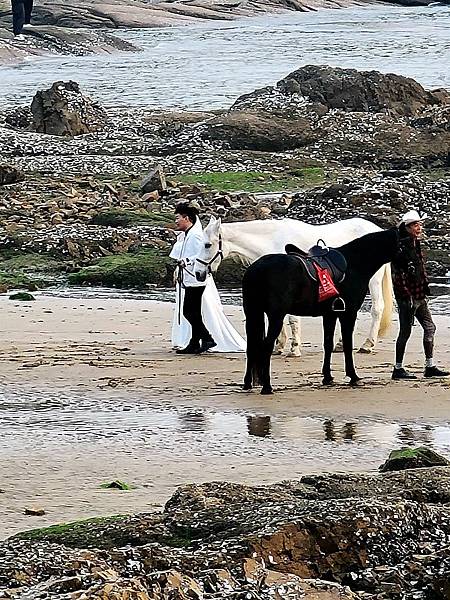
(222, 331)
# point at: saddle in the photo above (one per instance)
(320, 259)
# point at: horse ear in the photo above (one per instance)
(212, 220)
(218, 223)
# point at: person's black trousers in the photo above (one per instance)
(192, 310)
(21, 10)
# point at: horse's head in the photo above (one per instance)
(211, 255)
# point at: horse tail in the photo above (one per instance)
(255, 329)
(388, 297)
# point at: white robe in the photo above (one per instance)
(223, 333)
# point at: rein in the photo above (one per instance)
(218, 254)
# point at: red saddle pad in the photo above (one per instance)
(327, 289)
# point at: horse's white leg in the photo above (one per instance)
(296, 339)
(282, 338)
(376, 294)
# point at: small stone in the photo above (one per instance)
(34, 511)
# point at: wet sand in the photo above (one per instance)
(90, 391)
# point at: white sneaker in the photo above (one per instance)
(27, 25)
(20, 37)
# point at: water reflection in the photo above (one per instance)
(333, 433)
(134, 425)
(410, 434)
(258, 426)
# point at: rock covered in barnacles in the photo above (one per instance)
(345, 89)
(325, 537)
(63, 110)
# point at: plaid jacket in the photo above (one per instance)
(409, 276)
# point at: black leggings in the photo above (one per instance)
(407, 310)
(21, 10)
(192, 310)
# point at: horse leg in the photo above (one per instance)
(376, 294)
(282, 339)
(255, 331)
(296, 340)
(347, 328)
(273, 331)
(329, 325)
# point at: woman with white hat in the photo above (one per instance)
(411, 289)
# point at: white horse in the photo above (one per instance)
(249, 240)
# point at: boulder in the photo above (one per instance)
(351, 90)
(9, 174)
(63, 110)
(413, 458)
(154, 181)
(242, 130)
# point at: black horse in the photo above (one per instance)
(278, 284)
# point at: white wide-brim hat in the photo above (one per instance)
(412, 216)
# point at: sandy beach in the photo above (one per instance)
(90, 391)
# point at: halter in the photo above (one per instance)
(218, 254)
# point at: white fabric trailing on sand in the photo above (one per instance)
(223, 333)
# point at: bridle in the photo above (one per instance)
(218, 254)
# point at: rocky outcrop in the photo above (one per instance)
(140, 14)
(361, 536)
(63, 110)
(248, 131)
(348, 90)
(47, 39)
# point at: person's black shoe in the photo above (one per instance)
(206, 345)
(190, 349)
(402, 374)
(435, 372)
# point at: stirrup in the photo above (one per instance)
(338, 305)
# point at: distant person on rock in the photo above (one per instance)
(21, 10)
(411, 290)
(199, 322)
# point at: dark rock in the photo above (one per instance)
(155, 180)
(19, 118)
(10, 174)
(34, 511)
(263, 132)
(413, 458)
(63, 110)
(22, 296)
(352, 90)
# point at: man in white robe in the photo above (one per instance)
(185, 251)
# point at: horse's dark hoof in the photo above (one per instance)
(327, 381)
(247, 386)
(266, 391)
(358, 382)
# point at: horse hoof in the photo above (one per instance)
(266, 391)
(327, 381)
(365, 350)
(339, 347)
(247, 386)
(277, 352)
(294, 354)
(358, 382)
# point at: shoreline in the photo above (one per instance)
(96, 30)
(99, 386)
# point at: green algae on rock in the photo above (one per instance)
(128, 270)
